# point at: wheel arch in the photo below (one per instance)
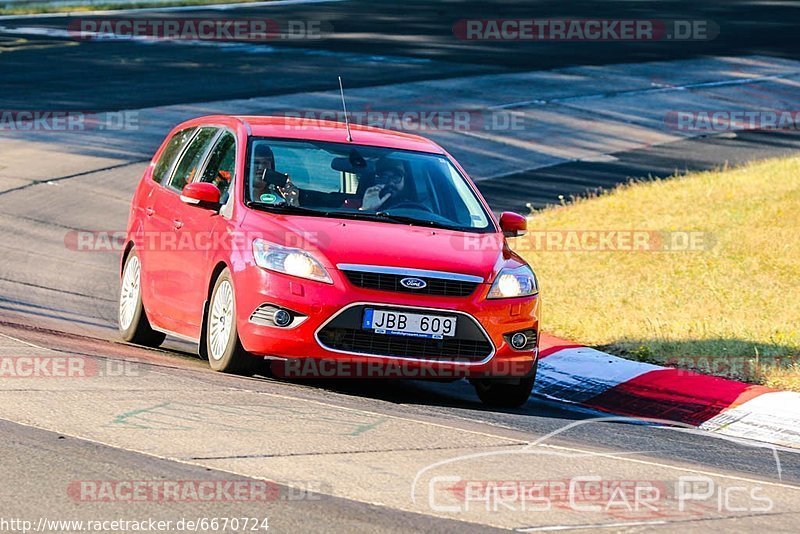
(125, 253)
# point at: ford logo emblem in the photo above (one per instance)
(413, 283)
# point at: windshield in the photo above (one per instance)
(351, 181)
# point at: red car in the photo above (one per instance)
(293, 241)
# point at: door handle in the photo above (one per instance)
(149, 211)
(177, 224)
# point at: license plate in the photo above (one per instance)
(409, 324)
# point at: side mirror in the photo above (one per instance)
(513, 224)
(201, 194)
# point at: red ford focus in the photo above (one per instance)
(289, 240)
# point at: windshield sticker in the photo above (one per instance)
(270, 198)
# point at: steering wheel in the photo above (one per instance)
(407, 204)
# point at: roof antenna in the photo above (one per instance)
(346, 120)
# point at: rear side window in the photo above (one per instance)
(221, 165)
(169, 154)
(192, 158)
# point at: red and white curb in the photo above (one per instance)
(597, 380)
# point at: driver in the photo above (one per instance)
(265, 176)
(263, 162)
(390, 186)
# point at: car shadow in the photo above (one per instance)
(457, 394)
(733, 359)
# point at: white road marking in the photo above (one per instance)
(649, 91)
(226, 46)
(22, 341)
(593, 526)
(771, 417)
(677, 468)
(216, 7)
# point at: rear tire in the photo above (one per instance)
(505, 392)
(134, 327)
(221, 340)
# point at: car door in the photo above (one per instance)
(169, 265)
(199, 226)
(149, 249)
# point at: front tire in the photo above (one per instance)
(222, 344)
(505, 392)
(134, 327)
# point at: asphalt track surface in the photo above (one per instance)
(577, 179)
(415, 37)
(31, 456)
(54, 301)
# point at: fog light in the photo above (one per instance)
(282, 318)
(519, 340)
(522, 340)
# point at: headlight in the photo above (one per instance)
(519, 282)
(289, 260)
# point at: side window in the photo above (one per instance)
(169, 154)
(221, 165)
(192, 158)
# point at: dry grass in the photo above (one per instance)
(730, 307)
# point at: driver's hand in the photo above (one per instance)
(290, 193)
(372, 198)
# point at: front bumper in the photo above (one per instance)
(322, 303)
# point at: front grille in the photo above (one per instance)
(344, 333)
(366, 342)
(391, 282)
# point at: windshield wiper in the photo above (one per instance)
(382, 216)
(300, 210)
(363, 215)
(286, 208)
(411, 220)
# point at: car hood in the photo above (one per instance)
(337, 241)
